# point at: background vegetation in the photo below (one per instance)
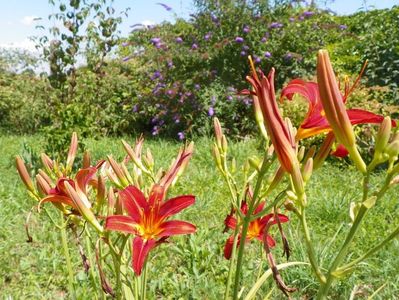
(169, 79)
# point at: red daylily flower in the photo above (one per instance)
(59, 194)
(315, 121)
(146, 220)
(256, 229)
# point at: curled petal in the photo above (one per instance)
(83, 177)
(141, 248)
(175, 228)
(175, 205)
(340, 151)
(133, 200)
(121, 223)
(58, 199)
(228, 247)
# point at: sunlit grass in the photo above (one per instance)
(193, 267)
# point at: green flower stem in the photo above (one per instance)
(232, 261)
(65, 247)
(144, 281)
(240, 255)
(309, 248)
(372, 250)
(322, 294)
(92, 273)
(245, 224)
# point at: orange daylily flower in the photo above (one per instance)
(147, 220)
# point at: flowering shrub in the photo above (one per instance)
(110, 201)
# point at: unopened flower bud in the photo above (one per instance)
(47, 162)
(255, 163)
(310, 154)
(217, 157)
(148, 159)
(42, 185)
(291, 195)
(392, 149)
(100, 191)
(301, 153)
(383, 134)
(324, 150)
(118, 171)
(224, 144)
(218, 132)
(73, 148)
(86, 159)
(259, 118)
(289, 205)
(307, 170)
(23, 173)
(83, 205)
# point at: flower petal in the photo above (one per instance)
(228, 247)
(58, 199)
(176, 227)
(141, 248)
(156, 196)
(340, 151)
(121, 223)
(360, 116)
(175, 205)
(83, 177)
(134, 201)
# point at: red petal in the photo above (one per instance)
(270, 241)
(121, 223)
(260, 207)
(134, 201)
(83, 177)
(175, 205)
(340, 151)
(58, 199)
(230, 222)
(228, 247)
(360, 116)
(176, 227)
(156, 195)
(141, 248)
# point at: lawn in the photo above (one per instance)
(193, 267)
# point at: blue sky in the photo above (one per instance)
(17, 25)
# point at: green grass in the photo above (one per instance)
(193, 267)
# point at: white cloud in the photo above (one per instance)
(28, 20)
(148, 23)
(25, 44)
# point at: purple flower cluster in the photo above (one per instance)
(267, 54)
(180, 135)
(239, 39)
(179, 40)
(276, 25)
(342, 27)
(246, 29)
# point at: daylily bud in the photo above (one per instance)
(275, 180)
(233, 165)
(42, 185)
(73, 148)
(86, 159)
(392, 149)
(255, 163)
(324, 150)
(126, 173)
(311, 152)
(289, 205)
(100, 192)
(259, 118)
(47, 162)
(135, 156)
(307, 170)
(291, 195)
(23, 173)
(224, 144)
(335, 110)
(82, 203)
(148, 159)
(111, 202)
(383, 135)
(218, 132)
(246, 167)
(216, 155)
(301, 153)
(45, 177)
(118, 171)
